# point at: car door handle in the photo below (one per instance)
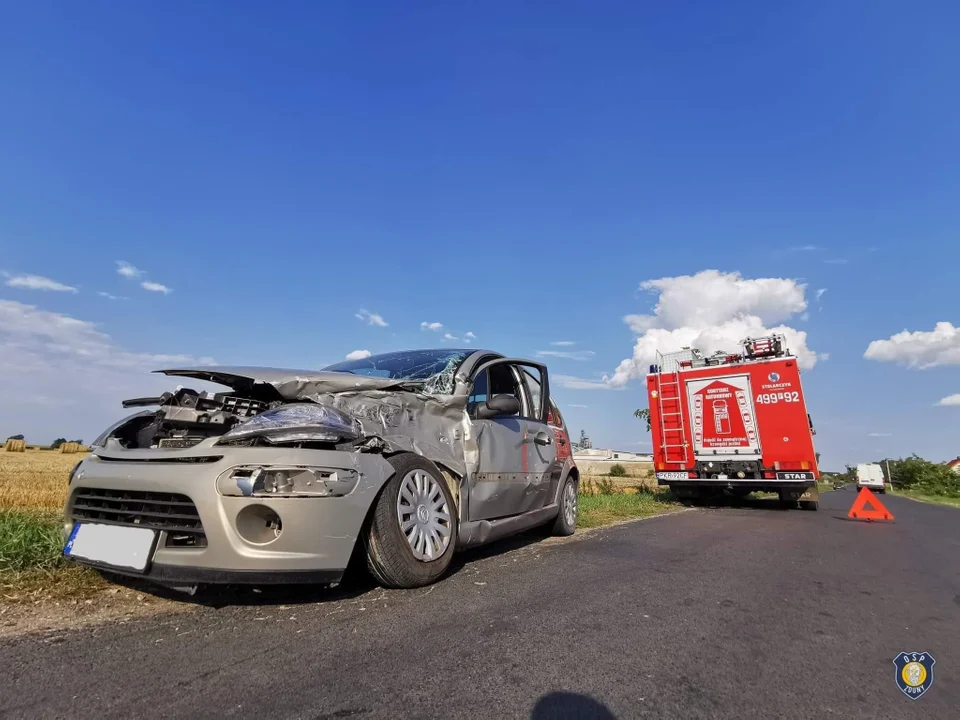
(542, 438)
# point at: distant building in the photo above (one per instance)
(598, 461)
(599, 455)
(584, 444)
(954, 465)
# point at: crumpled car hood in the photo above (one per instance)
(290, 384)
(389, 413)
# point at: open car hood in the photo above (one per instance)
(289, 384)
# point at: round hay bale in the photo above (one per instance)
(15, 446)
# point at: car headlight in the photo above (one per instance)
(301, 422)
(286, 481)
(101, 441)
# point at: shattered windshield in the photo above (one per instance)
(435, 368)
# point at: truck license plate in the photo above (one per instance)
(124, 547)
(672, 476)
(794, 476)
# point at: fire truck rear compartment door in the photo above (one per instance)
(723, 417)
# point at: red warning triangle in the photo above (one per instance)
(866, 499)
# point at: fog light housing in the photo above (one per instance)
(258, 524)
(286, 481)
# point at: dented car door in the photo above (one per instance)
(517, 452)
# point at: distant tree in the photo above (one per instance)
(916, 473)
(817, 455)
(16, 437)
(643, 414)
(78, 442)
(57, 443)
(618, 470)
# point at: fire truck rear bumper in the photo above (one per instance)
(781, 479)
(737, 482)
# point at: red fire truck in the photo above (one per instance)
(733, 422)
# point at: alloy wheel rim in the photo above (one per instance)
(424, 515)
(570, 504)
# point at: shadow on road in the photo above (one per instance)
(558, 705)
(356, 581)
(756, 503)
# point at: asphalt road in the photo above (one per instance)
(730, 612)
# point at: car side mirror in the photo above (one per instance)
(498, 406)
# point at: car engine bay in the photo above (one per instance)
(185, 417)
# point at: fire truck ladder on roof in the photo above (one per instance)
(673, 434)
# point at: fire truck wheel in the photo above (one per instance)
(809, 505)
(689, 498)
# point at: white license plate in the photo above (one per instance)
(672, 476)
(123, 547)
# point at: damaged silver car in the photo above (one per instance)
(402, 457)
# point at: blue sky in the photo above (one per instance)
(512, 170)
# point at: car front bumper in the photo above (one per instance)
(317, 534)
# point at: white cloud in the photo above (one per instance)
(804, 248)
(577, 406)
(949, 400)
(108, 296)
(920, 349)
(563, 343)
(46, 336)
(155, 287)
(470, 336)
(448, 336)
(880, 434)
(370, 318)
(572, 382)
(358, 354)
(714, 311)
(434, 326)
(128, 270)
(567, 354)
(36, 282)
(820, 293)
(837, 261)
(57, 356)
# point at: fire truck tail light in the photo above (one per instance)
(691, 475)
(804, 465)
(770, 476)
(776, 465)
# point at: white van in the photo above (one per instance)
(870, 475)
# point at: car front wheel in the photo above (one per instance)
(413, 532)
(566, 522)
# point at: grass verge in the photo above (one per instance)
(597, 510)
(31, 562)
(928, 498)
(29, 540)
(65, 582)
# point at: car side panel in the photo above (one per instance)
(514, 471)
